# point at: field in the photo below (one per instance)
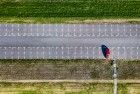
(66, 88)
(68, 11)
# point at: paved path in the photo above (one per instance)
(69, 41)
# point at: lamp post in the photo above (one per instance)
(114, 64)
(106, 53)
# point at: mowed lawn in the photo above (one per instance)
(66, 88)
(68, 9)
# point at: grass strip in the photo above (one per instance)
(66, 88)
(66, 20)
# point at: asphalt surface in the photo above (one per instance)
(69, 41)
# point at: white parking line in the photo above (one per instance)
(25, 26)
(87, 30)
(74, 31)
(5, 53)
(93, 30)
(31, 52)
(49, 52)
(12, 52)
(117, 31)
(18, 34)
(37, 33)
(128, 53)
(56, 52)
(24, 53)
(86, 53)
(6, 30)
(68, 52)
(130, 30)
(56, 31)
(125, 34)
(137, 30)
(12, 30)
(18, 53)
(137, 53)
(31, 30)
(0, 29)
(131, 53)
(43, 48)
(106, 30)
(81, 52)
(75, 49)
(93, 52)
(112, 56)
(62, 29)
(118, 52)
(124, 52)
(62, 52)
(68, 33)
(80, 30)
(111, 30)
(99, 49)
(43, 34)
(37, 53)
(49, 30)
(99, 30)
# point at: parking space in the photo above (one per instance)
(71, 30)
(67, 52)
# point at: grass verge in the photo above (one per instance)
(66, 88)
(65, 20)
(67, 69)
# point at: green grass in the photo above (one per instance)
(35, 11)
(66, 88)
(97, 9)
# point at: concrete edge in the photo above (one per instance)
(71, 20)
(72, 81)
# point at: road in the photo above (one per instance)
(69, 41)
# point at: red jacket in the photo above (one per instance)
(107, 51)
